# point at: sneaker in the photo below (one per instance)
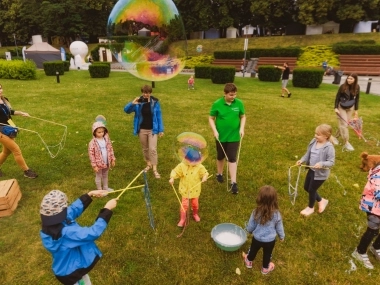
(362, 258)
(334, 140)
(376, 252)
(247, 263)
(307, 211)
(219, 178)
(322, 205)
(109, 189)
(270, 268)
(349, 147)
(290, 94)
(234, 188)
(30, 174)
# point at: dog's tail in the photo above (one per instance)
(364, 155)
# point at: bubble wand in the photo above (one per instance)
(225, 154)
(127, 188)
(130, 184)
(180, 203)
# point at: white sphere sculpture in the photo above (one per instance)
(79, 50)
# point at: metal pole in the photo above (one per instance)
(245, 48)
(14, 36)
(57, 74)
(368, 85)
(153, 84)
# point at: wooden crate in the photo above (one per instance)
(10, 194)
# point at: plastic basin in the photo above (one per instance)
(228, 236)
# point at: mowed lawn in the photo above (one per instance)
(317, 249)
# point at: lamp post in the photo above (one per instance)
(245, 48)
(14, 36)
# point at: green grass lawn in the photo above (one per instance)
(317, 249)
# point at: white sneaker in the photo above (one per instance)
(322, 205)
(307, 211)
(376, 252)
(334, 140)
(349, 147)
(362, 258)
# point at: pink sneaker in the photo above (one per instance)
(270, 268)
(307, 211)
(322, 205)
(247, 263)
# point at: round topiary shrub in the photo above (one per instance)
(269, 73)
(307, 77)
(222, 74)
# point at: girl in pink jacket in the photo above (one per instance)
(370, 203)
(101, 154)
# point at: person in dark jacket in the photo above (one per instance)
(285, 78)
(72, 247)
(346, 106)
(148, 125)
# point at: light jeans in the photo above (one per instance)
(346, 114)
(149, 145)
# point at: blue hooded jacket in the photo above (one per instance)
(74, 252)
(155, 108)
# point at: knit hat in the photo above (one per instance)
(53, 208)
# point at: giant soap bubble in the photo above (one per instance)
(191, 148)
(142, 36)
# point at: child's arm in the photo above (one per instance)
(251, 226)
(280, 227)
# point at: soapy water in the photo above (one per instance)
(228, 238)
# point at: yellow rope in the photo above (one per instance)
(127, 188)
(130, 184)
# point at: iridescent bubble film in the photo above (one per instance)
(148, 38)
(191, 148)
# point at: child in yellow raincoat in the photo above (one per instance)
(189, 187)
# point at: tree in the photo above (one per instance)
(312, 12)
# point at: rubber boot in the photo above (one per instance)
(182, 221)
(195, 215)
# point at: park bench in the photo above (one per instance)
(292, 62)
(237, 63)
(360, 64)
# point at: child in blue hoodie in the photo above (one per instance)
(72, 247)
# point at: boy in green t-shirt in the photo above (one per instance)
(227, 121)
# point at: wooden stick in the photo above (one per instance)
(128, 188)
(183, 209)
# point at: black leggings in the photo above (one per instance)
(366, 240)
(311, 186)
(267, 251)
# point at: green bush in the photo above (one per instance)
(193, 61)
(275, 52)
(269, 73)
(202, 71)
(99, 69)
(51, 67)
(234, 54)
(222, 74)
(307, 77)
(356, 49)
(313, 56)
(17, 69)
(95, 54)
(66, 65)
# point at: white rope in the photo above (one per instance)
(60, 145)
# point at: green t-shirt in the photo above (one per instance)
(227, 119)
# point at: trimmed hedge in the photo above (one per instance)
(17, 69)
(269, 73)
(307, 77)
(234, 54)
(99, 69)
(66, 65)
(51, 67)
(356, 49)
(202, 71)
(222, 74)
(275, 52)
